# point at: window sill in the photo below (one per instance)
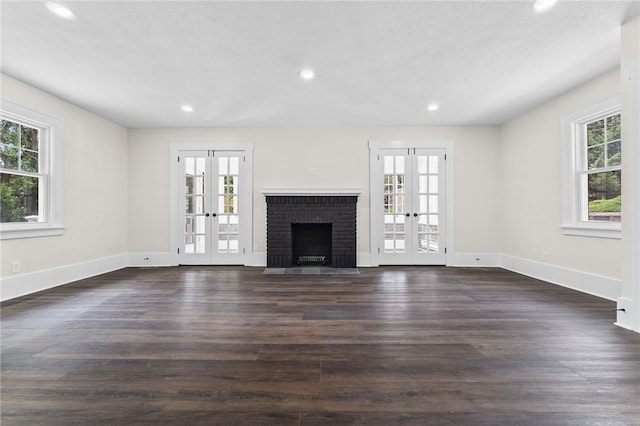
(592, 231)
(12, 233)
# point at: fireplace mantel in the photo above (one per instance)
(278, 192)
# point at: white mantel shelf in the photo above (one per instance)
(346, 192)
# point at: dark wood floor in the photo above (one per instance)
(391, 346)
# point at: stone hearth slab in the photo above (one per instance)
(311, 270)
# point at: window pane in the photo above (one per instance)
(595, 132)
(199, 185)
(188, 185)
(234, 246)
(19, 198)
(422, 203)
(200, 224)
(234, 165)
(434, 243)
(200, 205)
(223, 168)
(200, 166)
(400, 165)
(596, 156)
(433, 164)
(29, 161)
(613, 154)
(433, 204)
(9, 157)
(189, 166)
(9, 133)
(613, 127)
(388, 164)
(423, 243)
(422, 164)
(201, 247)
(399, 207)
(433, 184)
(605, 196)
(29, 138)
(422, 184)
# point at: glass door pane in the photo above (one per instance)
(195, 200)
(395, 204)
(427, 209)
(228, 176)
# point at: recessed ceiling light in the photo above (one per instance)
(540, 6)
(187, 108)
(433, 107)
(307, 74)
(60, 10)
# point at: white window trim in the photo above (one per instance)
(572, 222)
(51, 135)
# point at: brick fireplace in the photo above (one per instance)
(311, 225)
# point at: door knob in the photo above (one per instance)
(206, 214)
(415, 215)
(408, 214)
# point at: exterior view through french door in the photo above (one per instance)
(214, 211)
(408, 215)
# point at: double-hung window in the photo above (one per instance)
(30, 173)
(592, 169)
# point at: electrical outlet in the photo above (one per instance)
(15, 266)
(545, 256)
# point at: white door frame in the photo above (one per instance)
(246, 186)
(375, 203)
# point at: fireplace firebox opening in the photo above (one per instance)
(311, 243)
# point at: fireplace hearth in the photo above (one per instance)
(314, 229)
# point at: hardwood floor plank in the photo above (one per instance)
(390, 346)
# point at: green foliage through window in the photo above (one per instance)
(19, 166)
(604, 173)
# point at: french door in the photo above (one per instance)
(410, 206)
(213, 207)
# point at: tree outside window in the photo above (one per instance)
(20, 180)
(603, 171)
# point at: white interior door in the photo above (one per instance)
(411, 219)
(211, 204)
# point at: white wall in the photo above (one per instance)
(531, 203)
(282, 158)
(95, 193)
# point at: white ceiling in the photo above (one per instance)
(377, 63)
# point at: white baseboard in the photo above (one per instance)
(627, 318)
(24, 284)
(258, 259)
(363, 260)
(151, 259)
(606, 288)
(474, 259)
